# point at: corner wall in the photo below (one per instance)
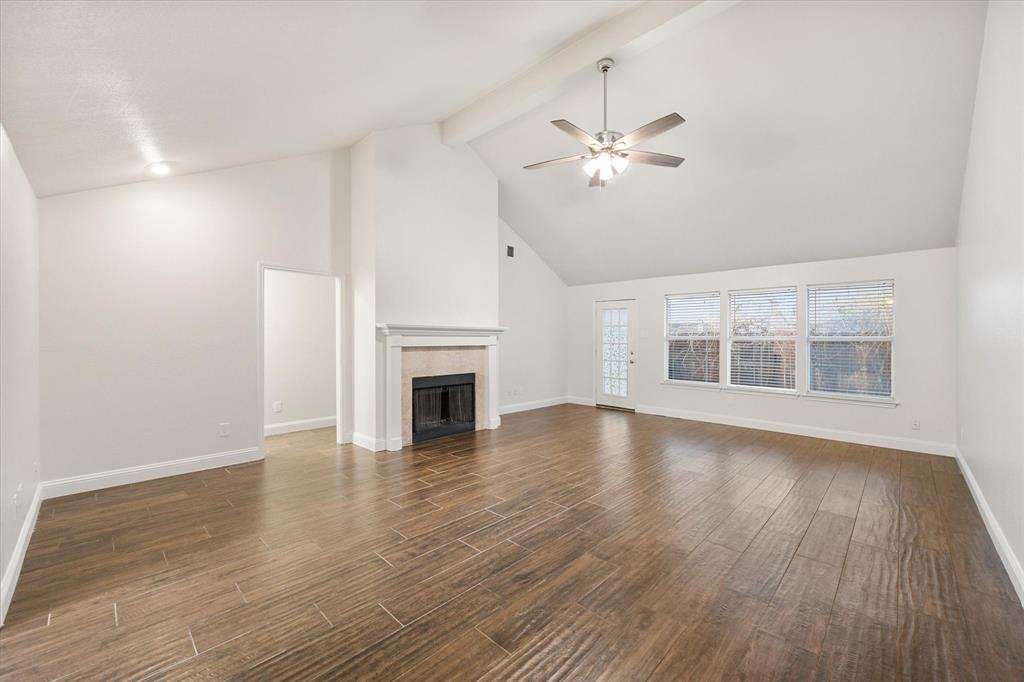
(924, 352)
(19, 367)
(148, 312)
(534, 307)
(991, 291)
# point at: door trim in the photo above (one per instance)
(629, 402)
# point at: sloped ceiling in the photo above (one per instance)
(91, 92)
(814, 130)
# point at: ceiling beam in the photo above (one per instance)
(631, 32)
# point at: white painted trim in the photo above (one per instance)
(345, 438)
(13, 569)
(298, 425)
(391, 329)
(532, 405)
(368, 442)
(577, 400)
(995, 531)
(876, 440)
(108, 479)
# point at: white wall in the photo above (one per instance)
(924, 352)
(298, 351)
(534, 307)
(148, 305)
(367, 381)
(341, 257)
(424, 232)
(437, 224)
(991, 289)
(19, 364)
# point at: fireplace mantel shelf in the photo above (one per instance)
(391, 329)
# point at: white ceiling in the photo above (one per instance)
(91, 92)
(814, 131)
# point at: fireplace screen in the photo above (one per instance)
(443, 405)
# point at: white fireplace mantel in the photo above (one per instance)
(398, 336)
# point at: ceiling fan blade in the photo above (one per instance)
(648, 131)
(555, 162)
(653, 158)
(577, 133)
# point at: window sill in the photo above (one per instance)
(888, 403)
(676, 383)
(754, 390)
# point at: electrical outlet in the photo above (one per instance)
(224, 429)
(916, 425)
(277, 406)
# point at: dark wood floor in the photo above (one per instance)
(571, 543)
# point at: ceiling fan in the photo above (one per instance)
(611, 152)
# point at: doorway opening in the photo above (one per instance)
(300, 346)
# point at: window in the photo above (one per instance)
(762, 339)
(849, 337)
(692, 337)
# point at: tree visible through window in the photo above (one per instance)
(692, 337)
(849, 335)
(762, 338)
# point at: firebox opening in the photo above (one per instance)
(443, 405)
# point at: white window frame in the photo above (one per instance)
(795, 338)
(851, 397)
(664, 320)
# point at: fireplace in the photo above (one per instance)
(443, 405)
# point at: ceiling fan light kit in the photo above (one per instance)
(611, 152)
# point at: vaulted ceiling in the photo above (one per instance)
(814, 130)
(91, 92)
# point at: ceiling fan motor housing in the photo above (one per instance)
(607, 138)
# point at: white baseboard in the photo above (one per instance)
(346, 437)
(576, 400)
(494, 422)
(13, 568)
(532, 405)
(146, 472)
(876, 440)
(364, 441)
(298, 425)
(995, 531)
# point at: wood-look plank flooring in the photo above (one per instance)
(571, 543)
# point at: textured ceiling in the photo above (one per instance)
(814, 131)
(91, 92)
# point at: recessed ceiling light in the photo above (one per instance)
(159, 168)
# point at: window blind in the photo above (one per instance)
(762, 338)
(692, 329)
(849, 334)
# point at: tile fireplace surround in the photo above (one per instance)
(423, 350)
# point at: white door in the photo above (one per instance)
(616, 354)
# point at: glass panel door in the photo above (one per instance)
(616, 358)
